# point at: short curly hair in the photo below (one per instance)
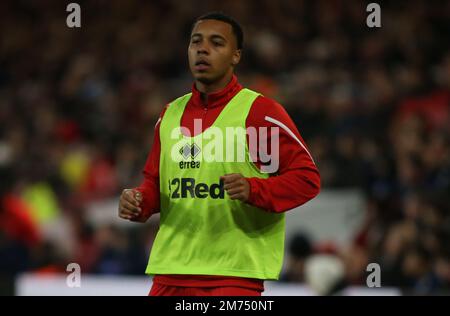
(237, 29)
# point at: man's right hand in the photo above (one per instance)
(129, 204)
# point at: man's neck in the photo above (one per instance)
(216, 86)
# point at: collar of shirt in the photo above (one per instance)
(219, 98)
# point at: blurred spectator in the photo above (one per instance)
(325, 274)
(300, 248)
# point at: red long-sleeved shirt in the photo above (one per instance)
(296, 182)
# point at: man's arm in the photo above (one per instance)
(297, 180)
(149, 188)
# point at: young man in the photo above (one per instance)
(222, 222)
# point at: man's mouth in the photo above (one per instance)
(202, 65)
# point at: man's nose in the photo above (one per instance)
(203, 49)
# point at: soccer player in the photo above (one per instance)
(222, 223)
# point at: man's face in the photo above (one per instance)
(212, 51)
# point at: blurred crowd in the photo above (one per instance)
(78, 107)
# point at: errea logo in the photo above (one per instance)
(189, 151)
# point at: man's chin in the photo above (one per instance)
(204, 79)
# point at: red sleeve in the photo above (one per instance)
(297, 180)
(150, 185)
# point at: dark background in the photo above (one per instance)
(78, 106)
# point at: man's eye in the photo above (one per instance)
(195, 41)
(217, 44)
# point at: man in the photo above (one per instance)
(221, 222)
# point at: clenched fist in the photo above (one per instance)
(129, 204)
(237, 186)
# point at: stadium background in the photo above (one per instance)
(78, 106)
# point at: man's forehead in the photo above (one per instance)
(208, 27)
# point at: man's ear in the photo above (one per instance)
(236, 57)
